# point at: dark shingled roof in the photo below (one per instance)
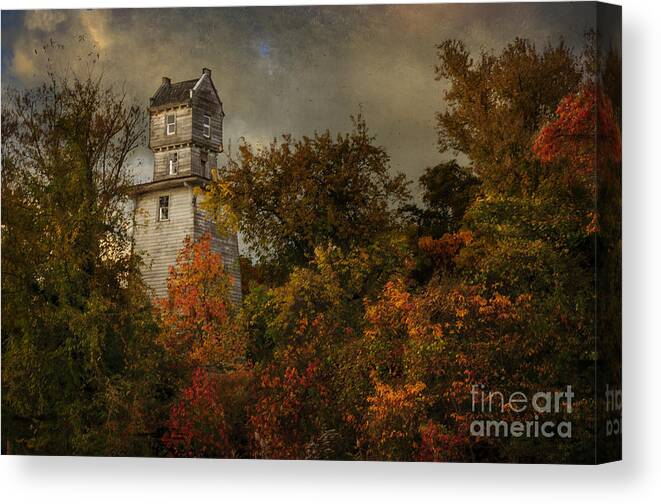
(173, 93)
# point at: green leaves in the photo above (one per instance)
(73, 304)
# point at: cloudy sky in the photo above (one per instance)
(293, 69)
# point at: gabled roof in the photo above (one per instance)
(170, 93)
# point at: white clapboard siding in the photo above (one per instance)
(159, 242)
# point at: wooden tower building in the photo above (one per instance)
(186, 136)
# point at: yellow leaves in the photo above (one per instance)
(397, 398)
(214, 200)
(393, 416)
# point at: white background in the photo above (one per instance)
(636, 479)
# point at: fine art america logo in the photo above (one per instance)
(541, 403)
(613, 411)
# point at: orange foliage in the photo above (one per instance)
(393, 419)
(444, 339)
(195, 321)
(445, 248)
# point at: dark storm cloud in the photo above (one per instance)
(295, 69)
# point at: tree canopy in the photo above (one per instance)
(78, 360)
(495, 104)
(366, 320)
(298, 194)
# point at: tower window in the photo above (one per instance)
(206, 126)
(170, 124)
(203, 163)
(164, 208)
(172, 163)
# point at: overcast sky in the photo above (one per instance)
(294, 69)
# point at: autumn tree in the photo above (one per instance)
(583, 144)
(583, 132)
(197, 425)
(314, 323)
(196, 317)
(286, 422)
(209, 376)
(297, 194)
(496, 103)
(77, 329)
(448, 190)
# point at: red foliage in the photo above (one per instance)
(206, 350)
(283, 419)
(197, 426)
(585, 132)
(439, 445)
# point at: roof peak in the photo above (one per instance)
(177, 92)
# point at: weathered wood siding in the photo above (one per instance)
(197, 167)
(206, 102)
(189, 161)
(184, 127)
(159, 242)
(162, 163)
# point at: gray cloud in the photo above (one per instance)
(294, 69)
